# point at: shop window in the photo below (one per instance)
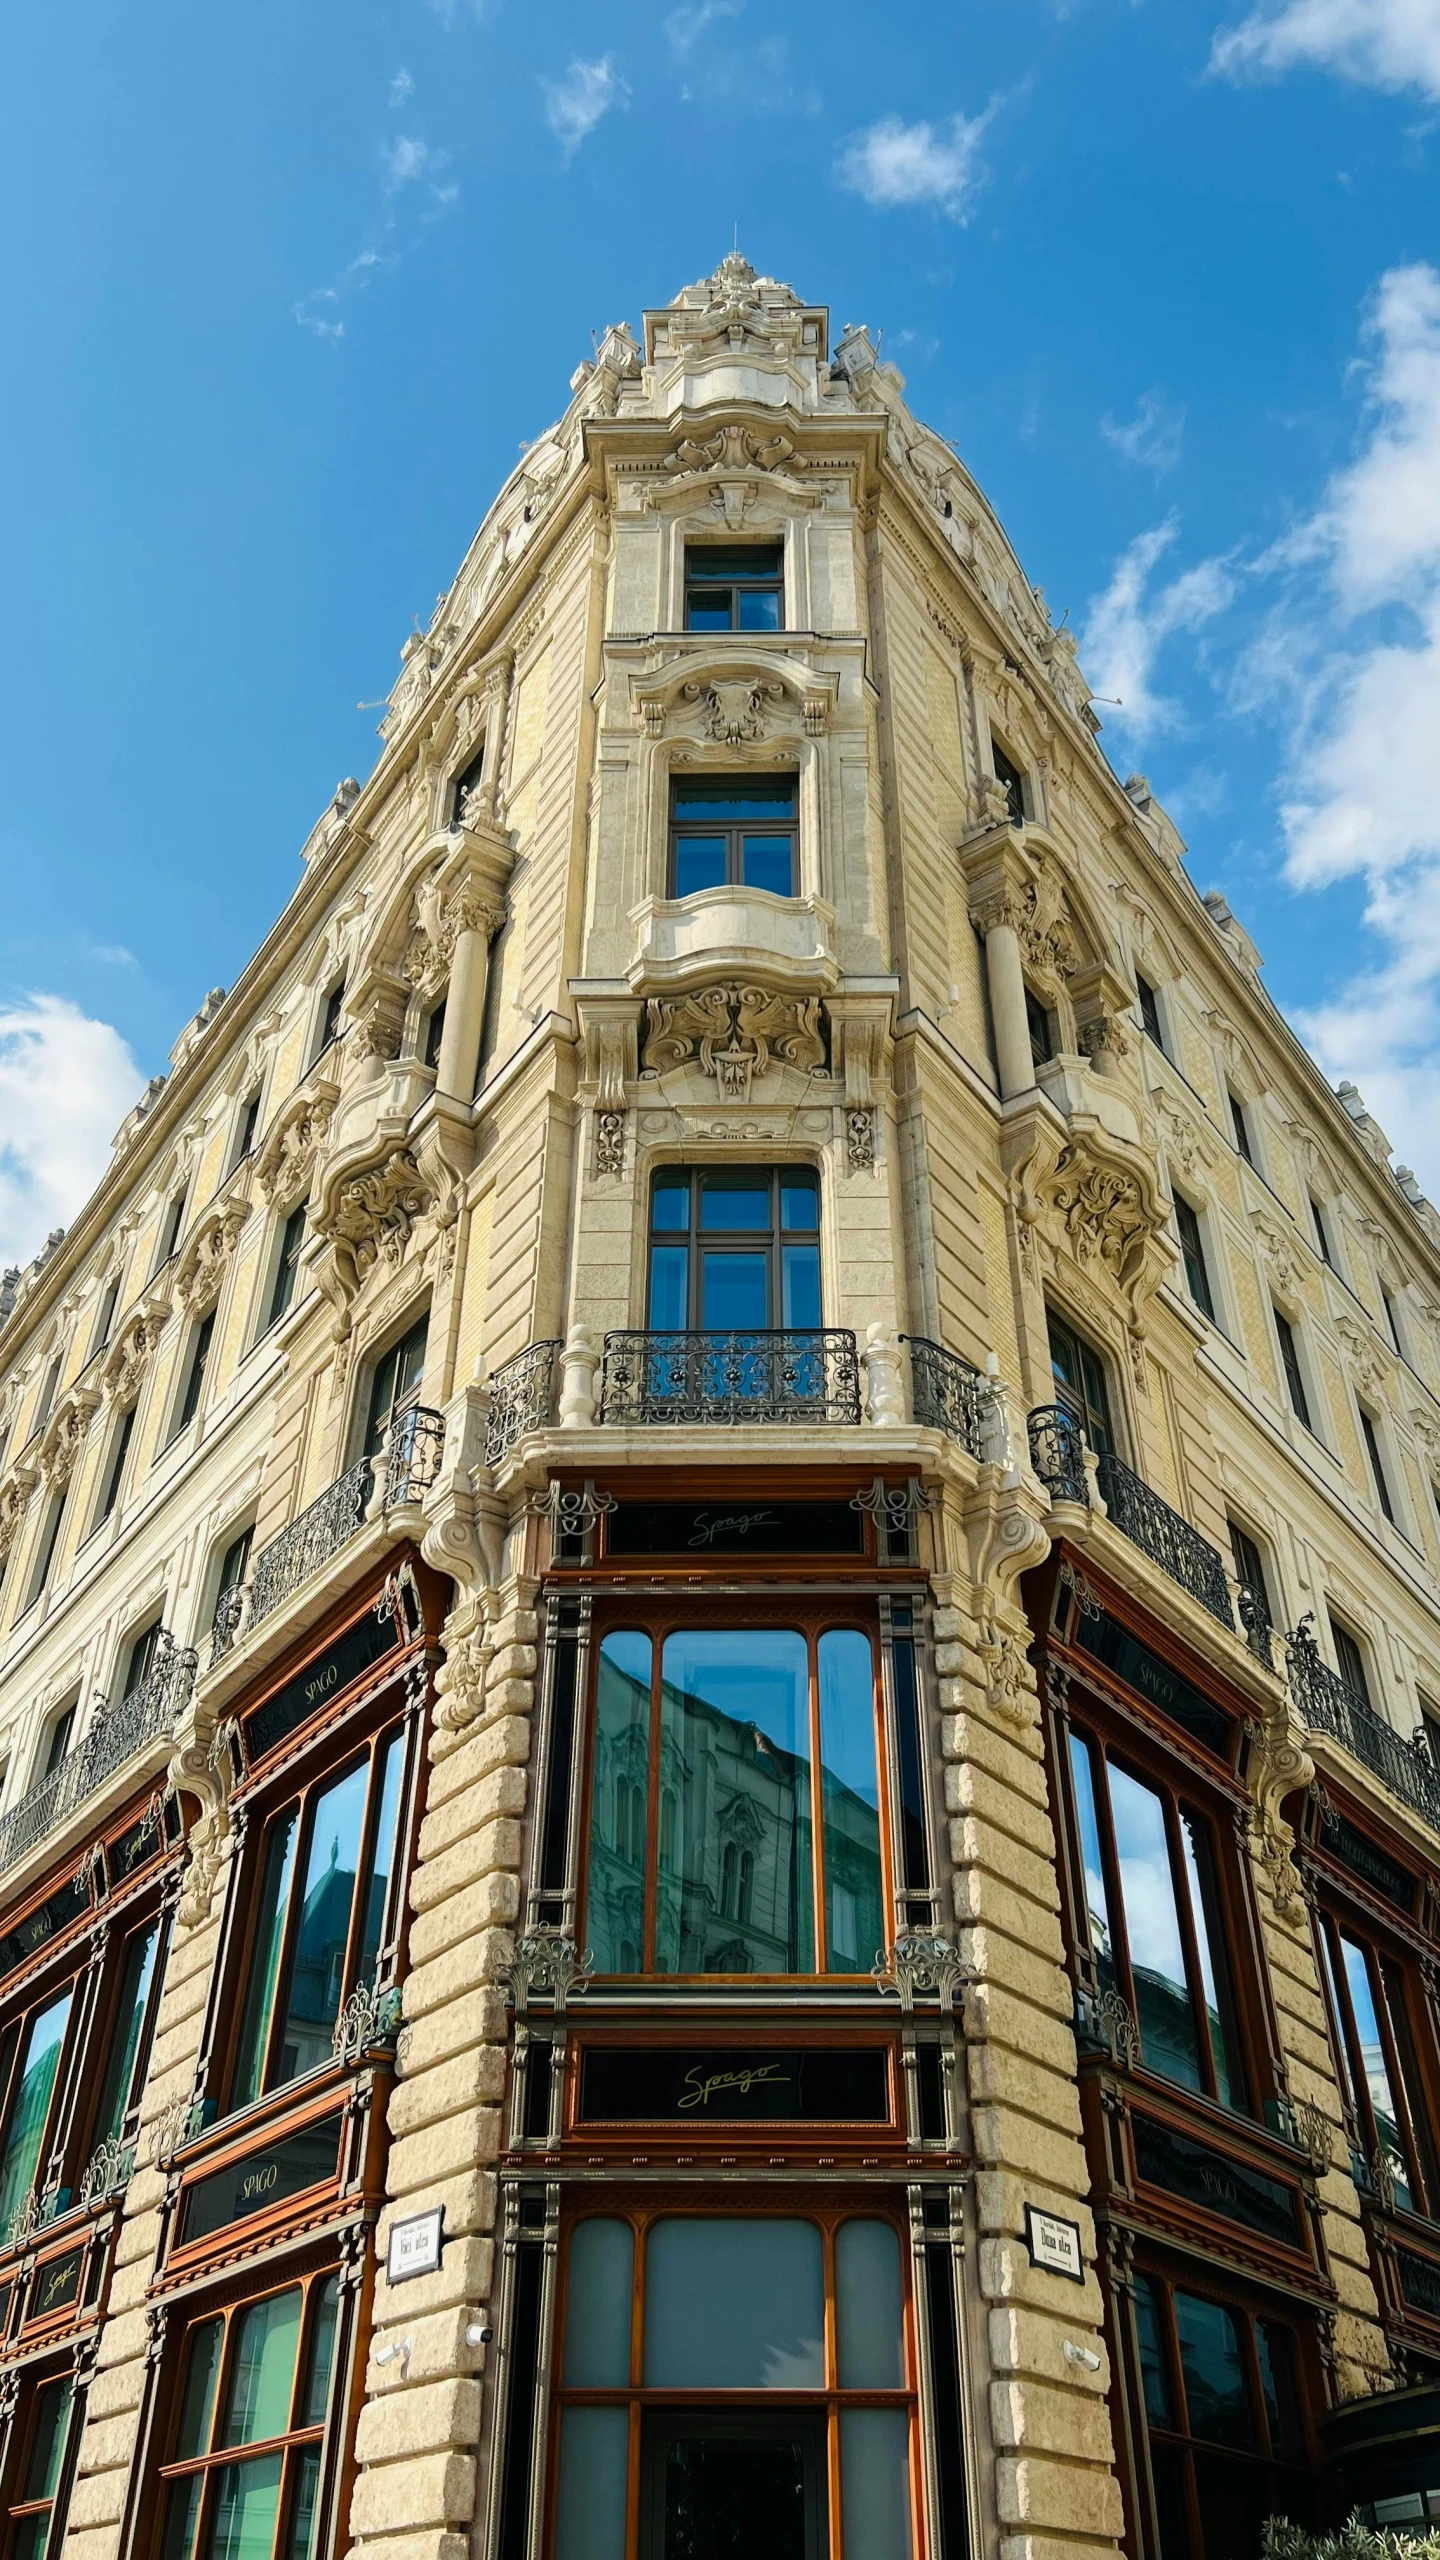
(759, 1749)
(1154, 1921)
(1372, 2013)
(1222, 2414)
(734, 1250)
(394, 1384)
(1011, 780)
(734, 587)
(733, 828)
(282, 1286)
(686, 2340)
(1192, 1250)
(1371, 1436)
(243, 2474)
(40, 2487)
(1290, 1363)
(325, 1911)
(1149, 1004)
(31, 2048)
(1081, 1387)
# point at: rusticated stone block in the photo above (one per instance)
(491, 1903)
(423, 2418)
(421, 2489)
(470, 2079)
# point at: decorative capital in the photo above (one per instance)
(546, 1960)
(923, 1963)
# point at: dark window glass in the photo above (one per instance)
(1350, 1662)
(235, 1560)
(1371, 2013)
(735, 1250)
(195, 1374)
(1080, 1387)
(1222, 2416)
(106, 1316)
(115, 1472)
(1392, 1326)
(41, 2475)
(434, 1034)
(282, 1287)
(1042, 1039)
(244, 2473)
(130, 2023)
(733, 828)
(1290, 1362)
(1377, 1465)
(245, 1138)
(142, 1658)
(330, 1018)
(57, 1741)
(734, 587)
(1322, 1232)
(1241, 1127)
(395, 1384)
(1011, 782)
(31, 2069)
(1197, 1278)
(45, 1552)
(1149, 1010)
(464, 783)
(1250, 1570)
(174, 1220)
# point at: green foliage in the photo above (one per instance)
(1283, 2540)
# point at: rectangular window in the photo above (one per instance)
(734, 587)
(282, 1287)
(106, 1317)
(1149, 1011)
(245, 1128)
(329, 1029)
(395, 1384)
(243, 2476)
(141, 1661)
(46, 1398)
(735, 1250)
(1011, 781)
(45, 1552)
(30, 2054)
(1375, 2043)
(1222, 2411)
(170, 1232)
(130, 2023)
(115, 1472)
(736, 830)
(1350, 1662)
(1392, 1322)
(1041, 1027)
(326, 1909)
(1080, 1385)
(1250, 1574)
(43, 2469)
(464, 783)
(1197, 1278)
(1290, 1363)
(1377, 1464)
(57, 1740)
(204, 1335)
(734, 1803)
(434, 1034)
(1241, 1126)
(1322, 1231)
(235, 1560)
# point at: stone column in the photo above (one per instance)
(476, 919)
(1007, 998)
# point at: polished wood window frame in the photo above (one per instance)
(1304, 2460)
(1414, 2086)
(332, 2435)
(20, 2447)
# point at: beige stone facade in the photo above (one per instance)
(672, 1466)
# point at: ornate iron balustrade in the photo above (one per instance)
(1254, 1617)
(225, 1625)
(521, 1397)
(310, 1541)
(414, 1446)
(1150, 1524)
(773, 1376)
(945, 1391)
(1329, 1705)
(116, 1734)
(1057, 1453)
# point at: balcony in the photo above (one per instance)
(1146, 1519)
(779, 1375)
(522, 1392)
(945, 1392)
(114, 1737)
(407, 1466)
(1328, 1705)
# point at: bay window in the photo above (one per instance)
(244, 2466)
(1378, 2061)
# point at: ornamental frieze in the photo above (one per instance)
(733, 1033)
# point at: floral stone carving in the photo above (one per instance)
(733, 1032)
(370, 1218)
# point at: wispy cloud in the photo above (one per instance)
(451, 12)
(893, 163)
(1386, 44)
(412, 186)
(114, 954)
(686, 25)
(401, 87)
(575, 104)
(1127, 627)
(66, 1083)
(1154, 435)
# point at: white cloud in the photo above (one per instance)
(893, 163)
(686, 25)
(66, 1083)
(575, 104)
(401, 87)
(1153, 436)
(405, 162)
(1388, 44)
(1127, 627)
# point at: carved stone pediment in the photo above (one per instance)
(734, 699)
(207, 1256)
(1367, 1363)
(1085, 1198)
(130, 1355)
(366, 1219)
(287, 1160)
(1285, 1260)
(733, 1033)
(65, 1436)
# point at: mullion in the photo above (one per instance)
(652, 1803)
(1189, 1933)
(821, 1922)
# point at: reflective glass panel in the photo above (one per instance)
(875, 2482)
(131, 2000)
(800, 1277)
(850, 1802)
(768, 862)
(1210, 1940)
(1098, 1909)
(324, 2307)
(32, 2088)
(734, 1206)
(1342, 2048)
(734, 1292)
(1210, 2361)
(300, 2541)
(247, 2496)
(735, 1749)
(594, 2466)
(391, 1761)
(734, 2305)
(759, 610)
(733, 799)
(709, 613)
(868, 2316)
(699, 864)
(1152, 2360)
(316, 1980)
(1163, 2013)
(619, 1795)
(274, 1902)
(597, 2304)
(1275, 2353)
(670, 1203)
(182, 2512)
(669, 1287)
(799, 1200)
(1377, 2076)
(202, 2372)
(47, 2446)
(262, 2371)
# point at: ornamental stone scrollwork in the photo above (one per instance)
(860, 1140)
(123, 1369)
(369, 1221)
(733, 1033)
(1004, 1660)
(1183, 1141)
(1035, 913)
(923, 1962)
(1368, 1365)
(546, 1960)
(461, 1680)
(65, 1437)
(1279, 1765)
(207, 1257)
(1285, 1258)
(1104, 1037)
(440, 919)
(1103, 1210)
(609, 1142)
(733, 714)
(14, 1502)
(287, 1160)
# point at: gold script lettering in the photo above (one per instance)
(260, 2181)
(699, 2090)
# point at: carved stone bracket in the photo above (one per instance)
(367, 1219)
(1285, 1258)
(207, 1256)
(287, 1160)
(733, 1033)
(1279, 1764)
(65, 1436)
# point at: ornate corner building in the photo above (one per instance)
(721, 1813)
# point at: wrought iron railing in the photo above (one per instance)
(1057, 1453)
(225, 1625)
(414, 1447)
(1253, 1612)
(1329, 1705)
(116, 1734)
(410, 1462)
(776, 1376)
(521, 1396)
(945, 1391)
(1159, 1532)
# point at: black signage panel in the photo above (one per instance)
(733, 2085)
(747, 1528)
(1171, 2160)
(1156, 1682)
(262, 2178)
(44, 1923)
(322, 1679)
(1420, 2282)
(56, 2285)
(1361, 1856)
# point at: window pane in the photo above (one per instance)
(47, 2445)
(182, 2512)
(1377, 2076)
(735, 1207)
(1392, 1987)
(615, 1900)
(735, 1745)
(1341, 2041)
(669, 1287)
(799, 1200)
(735, 799)
(670, 1202)
(1274, 2348)
(1210, 2361)
(800, 1277)
(709, 613)
(247, 2496)
(1152, 1924)
(734, 1292)
(875, 2482)
(30, 2105)
(1098, 1909)
(326, 2305)
(597, 2304)
(868, 2317)
(262, 2375)
(733, 2305)
(128, 2024)
(594, 2464)
(1152, 2359)
(850, 1802)
(300, 2540)
(201, 2374)
(768, 862)
(759, 609)
(391, 1761)
(265, 1956)
(316, 1983)
(699, 864)
(1210, 1940)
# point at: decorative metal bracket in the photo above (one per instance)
(108, 2171)
(546, 1960)
(1103, 2024)
(923, 1962)
(368, 2023)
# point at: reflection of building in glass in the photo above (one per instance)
(319, 1969)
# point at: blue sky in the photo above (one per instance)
(288, 287)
